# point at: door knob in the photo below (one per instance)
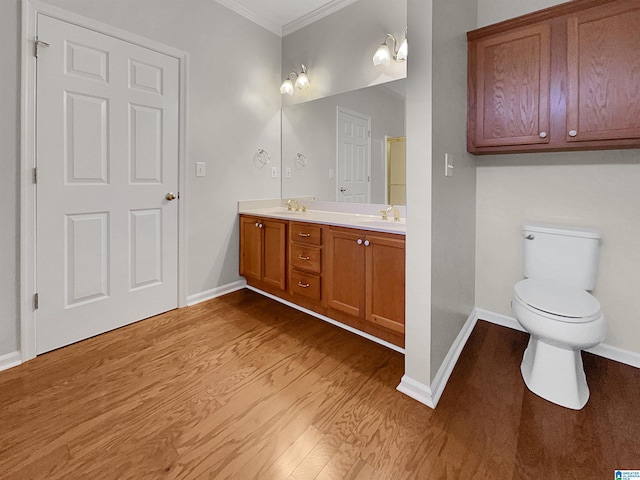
(170, 196)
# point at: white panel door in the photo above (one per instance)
(107, 156)
(354, 157)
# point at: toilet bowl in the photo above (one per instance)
(562, 321)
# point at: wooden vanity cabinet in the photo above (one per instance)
(366, 276)
(563, 78)
(305, 259)
(263, 251)
(353, 276)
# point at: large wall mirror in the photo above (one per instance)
(348, 147)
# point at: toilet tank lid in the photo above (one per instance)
(560, 230)
(567, 302)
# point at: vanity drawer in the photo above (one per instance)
(305, 284)
(306, 258)
(305, 233)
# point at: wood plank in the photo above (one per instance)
(243, 387)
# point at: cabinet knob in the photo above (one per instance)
(572, 133)
(260, 226)
(366, 243)
(303, 285)
(302, 257)
(257, 224)
(543, 134)
(301, 234)
(359, 241)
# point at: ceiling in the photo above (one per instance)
(283, 17)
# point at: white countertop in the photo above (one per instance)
(363, 221)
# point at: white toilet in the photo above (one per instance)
(553, 304)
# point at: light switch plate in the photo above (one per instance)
(287, 172)
(448, 165)
(200, 169)
(274, 172)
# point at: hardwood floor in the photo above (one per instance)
(242, 387)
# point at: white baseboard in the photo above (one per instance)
(430, 395)
(444, 372)
(329, 320)
(215, 292)
(603, 350)
(416, 390)
(9, 360)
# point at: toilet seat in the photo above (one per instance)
(557, 302)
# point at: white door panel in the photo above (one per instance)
(353, 159)
(107, 155)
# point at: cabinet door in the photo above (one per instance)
(250, 248)
(274, 250)
(512, 75)
(603, 59)
(344, 282)
(385, 267)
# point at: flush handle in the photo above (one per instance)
(531, 236)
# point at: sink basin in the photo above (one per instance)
(383, 224)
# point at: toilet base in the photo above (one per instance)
(555, 374)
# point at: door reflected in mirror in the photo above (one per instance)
(348, 147)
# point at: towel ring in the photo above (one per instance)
(261, 158)
(301, 160)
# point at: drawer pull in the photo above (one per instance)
(304, 234)
(303, 285)
(304, 258)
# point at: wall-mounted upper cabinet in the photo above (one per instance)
(564, 78)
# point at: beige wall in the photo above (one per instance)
(233, 109)
(593, 189)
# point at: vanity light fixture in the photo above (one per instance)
(301, 82)
(383, 54)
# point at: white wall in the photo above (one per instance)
(592, 189)
(453, 208)
(234, 109)
(419, 204)
(9, 167)
(338, 49)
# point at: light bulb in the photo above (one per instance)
(403, 51)
(382, 55)
(286, 87)
(302, 82)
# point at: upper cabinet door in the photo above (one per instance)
(512, 76)
(603, 60)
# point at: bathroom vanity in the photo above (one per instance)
(344, 266)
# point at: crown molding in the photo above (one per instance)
(315, 15)
(249, 15)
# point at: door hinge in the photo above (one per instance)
(36, 44)
(368, 133)
(36, 302)
(35, 174)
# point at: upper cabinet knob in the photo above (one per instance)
(366, 243)
(572, 133)
(543, 134)
(359, 241)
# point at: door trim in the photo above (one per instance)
(28, 260)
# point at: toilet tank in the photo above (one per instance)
(561, 255)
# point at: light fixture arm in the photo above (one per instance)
(395, 45)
